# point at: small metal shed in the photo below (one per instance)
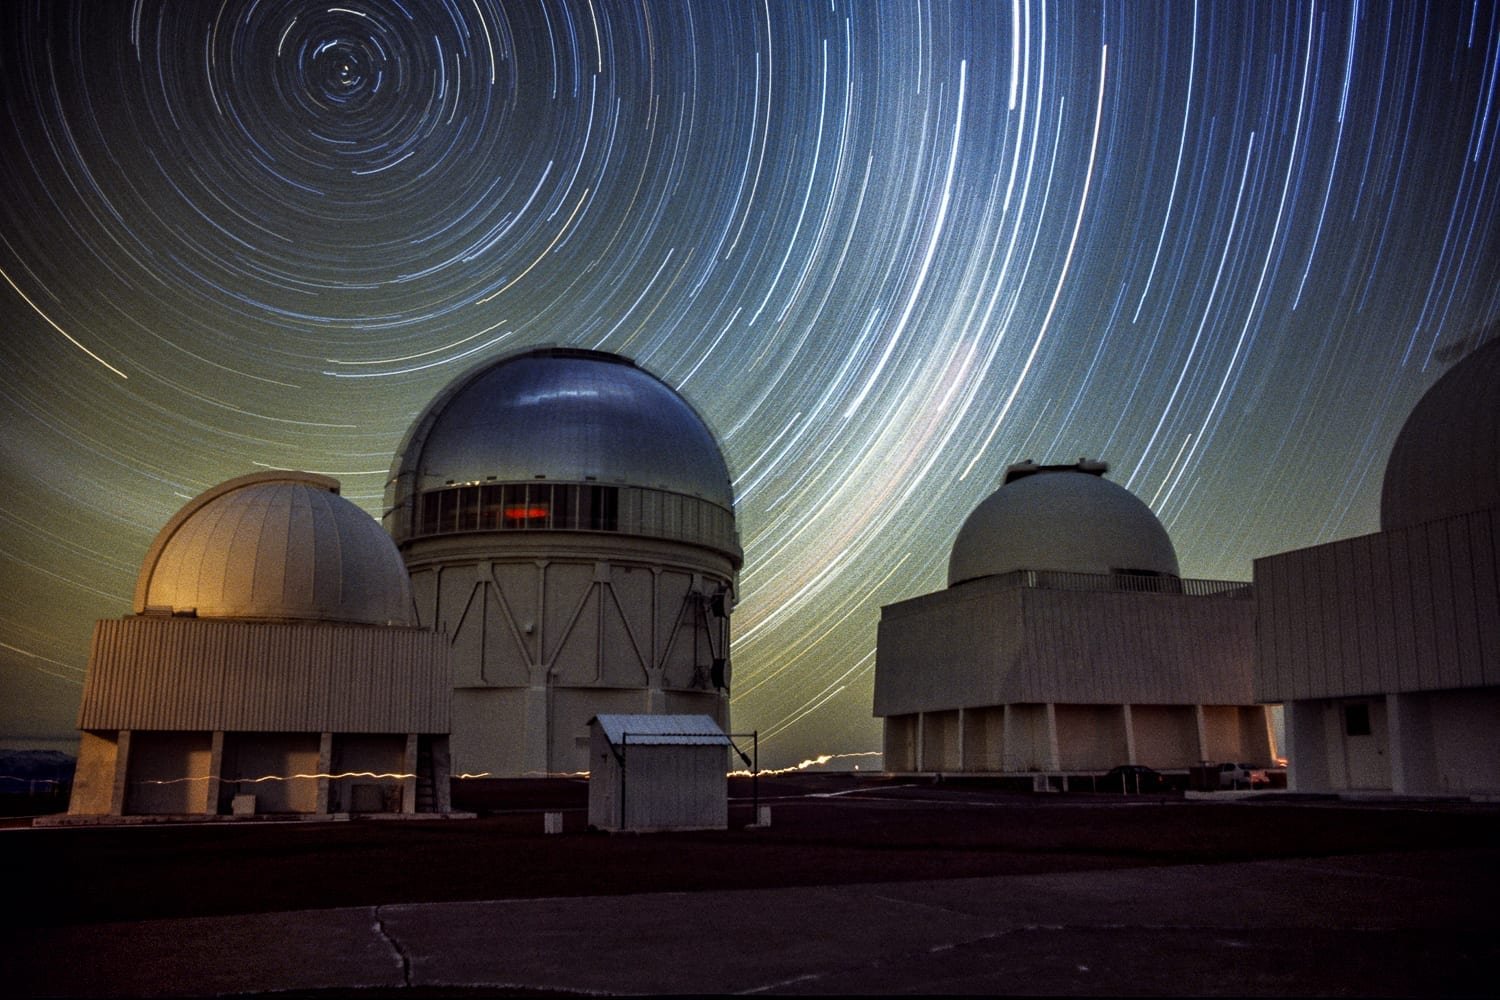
(658, 772)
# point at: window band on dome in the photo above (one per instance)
(554, 506)
(578, 423)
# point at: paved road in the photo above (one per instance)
(1379, 924)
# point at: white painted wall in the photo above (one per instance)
(548, 629)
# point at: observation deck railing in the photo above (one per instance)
(1046, 579)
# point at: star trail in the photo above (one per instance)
(886, 249)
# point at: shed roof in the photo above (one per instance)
(661, 730)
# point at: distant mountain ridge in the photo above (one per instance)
(18, 768)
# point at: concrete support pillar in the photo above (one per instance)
(1202, 732)
(210, 802)
(99, 781)
(1054, 757)
(656, 698)
(1129, 718)
(484, 579)
(1397, 733)
(1306, 747)
(963, 739)
(534, 756)
(121, 790)
(921, 753)
(1029, 735)
(1010, 724)
(1276, 749)
(325, 767)
(1411, 753)
(409, 769)
(442, 774)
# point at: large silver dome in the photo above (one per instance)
(277, 546)
(557, 415)
(1446, 460)
(1063, 519)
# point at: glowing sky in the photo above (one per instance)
(885, 249)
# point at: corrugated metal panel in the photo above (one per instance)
(171, 673)
(1412, 609)
(662, 730)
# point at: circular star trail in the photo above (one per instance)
(885, 249)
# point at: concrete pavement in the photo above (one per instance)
(1380, 924)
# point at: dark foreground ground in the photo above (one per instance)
(857, 886)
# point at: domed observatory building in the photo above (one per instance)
(272, 665)
(1385, 648)
(568, 519)
(1067, 642)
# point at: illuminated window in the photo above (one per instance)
(525, 506)
(518, 507)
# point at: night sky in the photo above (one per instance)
(885, 249)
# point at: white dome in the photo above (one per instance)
(1063, 520)
(275, 545)
(1446, 460)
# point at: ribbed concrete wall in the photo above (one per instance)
(1165, 735)
(149, 673)
(980, 644)
(899, 743)
(1413, 609)
(952, 649)
(1118, 648)
(984, 738)
(1090, 737)
(941, 742)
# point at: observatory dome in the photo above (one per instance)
(552, 415)
(1061, 518)
(1446, 460)
(275, 545)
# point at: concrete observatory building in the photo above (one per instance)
(1385, 648)
(568, 519)
(1067, 642)
(272, 645)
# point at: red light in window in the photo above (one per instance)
(526, 512)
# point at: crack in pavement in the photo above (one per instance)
(403, 959)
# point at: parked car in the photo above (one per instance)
(1133, 778)
(1242, 776)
